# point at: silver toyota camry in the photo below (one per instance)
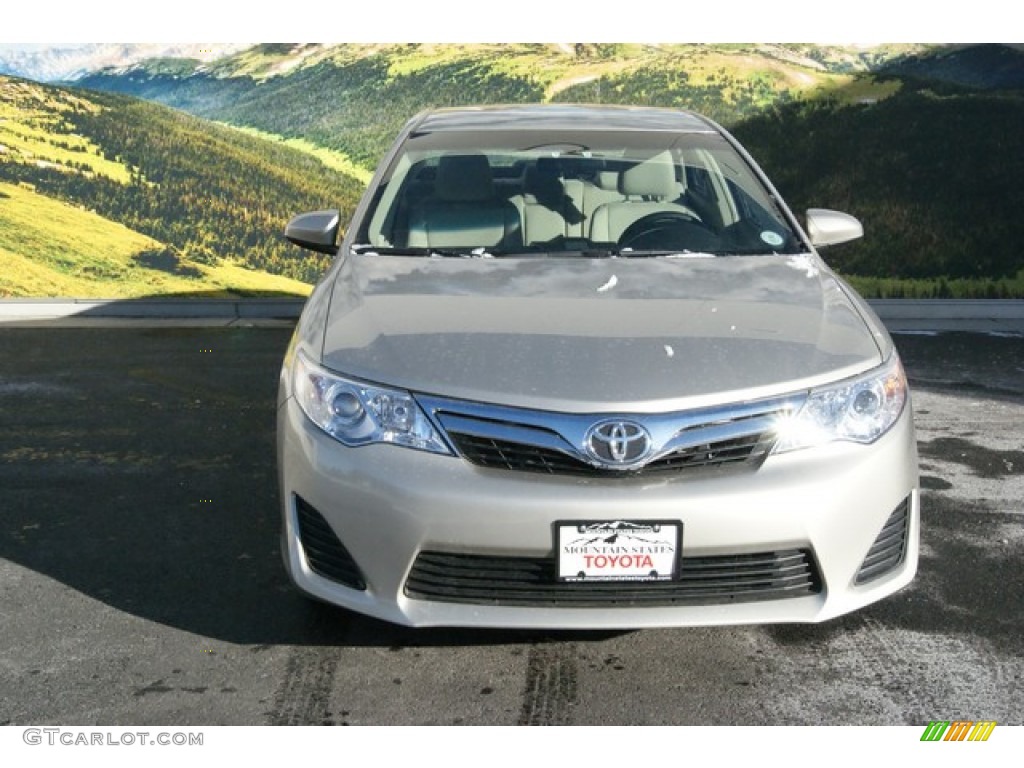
(580, 367)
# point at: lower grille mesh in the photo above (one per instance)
(890, 548)
(527, 581)
(324, 551)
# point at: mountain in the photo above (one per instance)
(923, 143)
(933, 176)
(982, 67)
(354, 98)
(55, 63)
(191, 199)
(53, 248)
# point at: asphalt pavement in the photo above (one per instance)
(140, 581)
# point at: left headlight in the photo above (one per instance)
(860, 410)
(359, 414)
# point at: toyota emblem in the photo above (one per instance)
(618, 444)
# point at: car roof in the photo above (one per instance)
(577, 117)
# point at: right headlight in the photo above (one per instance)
(355, 413)
(859, 410)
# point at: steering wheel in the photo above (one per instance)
(668, 230)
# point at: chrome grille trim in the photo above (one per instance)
(523, 439)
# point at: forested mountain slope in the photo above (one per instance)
(924, 144)
(202, 194)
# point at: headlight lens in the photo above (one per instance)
(860, 410)
(359, 414)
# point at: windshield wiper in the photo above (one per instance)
(648, 253)
(629, 253)
(437, 253)
(584, 253)
(483, 253)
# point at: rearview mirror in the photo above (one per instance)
(316, 230)
(827, 227)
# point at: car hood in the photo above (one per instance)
(637, 334)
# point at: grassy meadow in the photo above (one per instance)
(50, 248)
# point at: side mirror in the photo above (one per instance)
(317, 230)
(827, 227)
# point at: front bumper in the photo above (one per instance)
(386, 505)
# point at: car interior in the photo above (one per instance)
(474, 201)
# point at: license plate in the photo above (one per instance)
(619, 550)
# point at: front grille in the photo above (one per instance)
(324, 551)
(890, 548)
(526, 440)
(532, 581)
(503, 454)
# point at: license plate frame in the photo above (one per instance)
(618, 550)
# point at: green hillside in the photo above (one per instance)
(51, 248)
(924, 144)
(354, 98)
(936, 178)
(211, 198)
(981, 67)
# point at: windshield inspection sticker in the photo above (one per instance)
(772, 238)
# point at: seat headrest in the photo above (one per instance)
(608, 180)
(655, 177)
(464, 178)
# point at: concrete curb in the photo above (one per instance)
(171, 309)
(906, 315)
(948, 309)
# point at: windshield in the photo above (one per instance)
(599, 193)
